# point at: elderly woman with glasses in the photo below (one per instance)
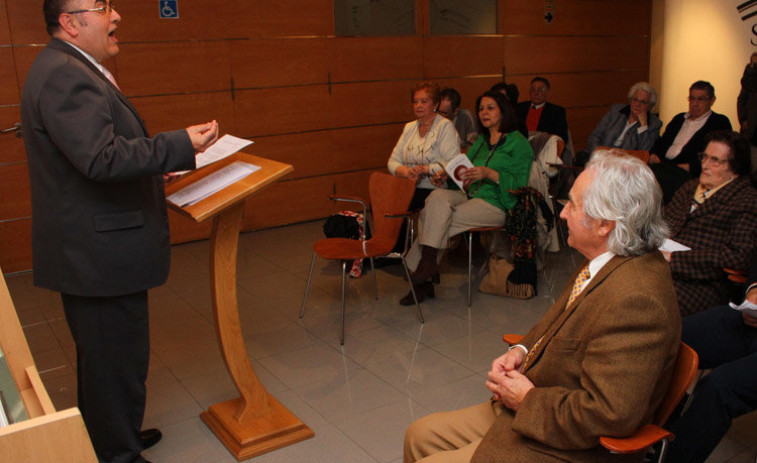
(501, 158)
(629, 126)
(426, 144)
(715, 215)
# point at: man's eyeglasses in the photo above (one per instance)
(106, 9)
(704, 158)
(699, 98)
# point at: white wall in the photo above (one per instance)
(704, 40)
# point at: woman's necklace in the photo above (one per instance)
(494, 146)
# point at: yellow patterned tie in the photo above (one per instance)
(579, 284)
(530, 354)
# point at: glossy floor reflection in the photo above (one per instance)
(358, 398)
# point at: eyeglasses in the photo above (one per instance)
(101, 10)
(704, 158)
(699, 99)
(636, 100)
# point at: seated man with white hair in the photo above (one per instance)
(599, 361)
(630, 126)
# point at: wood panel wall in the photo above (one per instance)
(332, 106)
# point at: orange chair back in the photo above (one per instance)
(687, 364)
(389, 195)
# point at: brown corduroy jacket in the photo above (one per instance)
(601, 369)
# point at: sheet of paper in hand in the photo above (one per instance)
(455, 166)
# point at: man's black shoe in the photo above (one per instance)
(150, 437)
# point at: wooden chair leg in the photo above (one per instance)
(307, 288)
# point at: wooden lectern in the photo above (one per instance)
(255, 422)
(47, 435)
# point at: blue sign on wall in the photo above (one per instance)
(168, 9)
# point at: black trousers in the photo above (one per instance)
(728, 346)
(112, 355)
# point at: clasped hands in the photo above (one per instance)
(506, 383)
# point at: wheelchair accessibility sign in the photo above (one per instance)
(169, 9)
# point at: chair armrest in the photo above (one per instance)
(398, 215)
(736, 276)
(647, 435)
(512, 339)
(349, 199)
(354, 199)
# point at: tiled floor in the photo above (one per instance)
(358, 398)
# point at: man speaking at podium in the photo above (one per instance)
(99, 222)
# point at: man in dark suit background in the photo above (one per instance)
(674, 157)
(99, 220)
(541, 115)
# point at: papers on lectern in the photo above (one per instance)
(222, 148)
(213, 183)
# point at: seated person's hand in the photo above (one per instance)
(510, 360)
(439, 178)
(654, 159)
(749, 320)
(407, 172)
(420, 171)
(510, 388)
(642, 118)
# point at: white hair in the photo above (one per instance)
(624, 190)
(644, 87)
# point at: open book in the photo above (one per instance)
(455, 166)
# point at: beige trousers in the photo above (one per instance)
(449, 437)
(448, 213)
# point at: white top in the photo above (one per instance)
(439, 145)
(688, 129)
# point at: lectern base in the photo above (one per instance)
(272, 431)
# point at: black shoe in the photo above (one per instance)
(150, 437)
(421, 291)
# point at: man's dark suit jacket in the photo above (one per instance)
(99, 221)
(722, 232)
(552, 119)
(690, 151)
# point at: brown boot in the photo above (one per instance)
(427, 269)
